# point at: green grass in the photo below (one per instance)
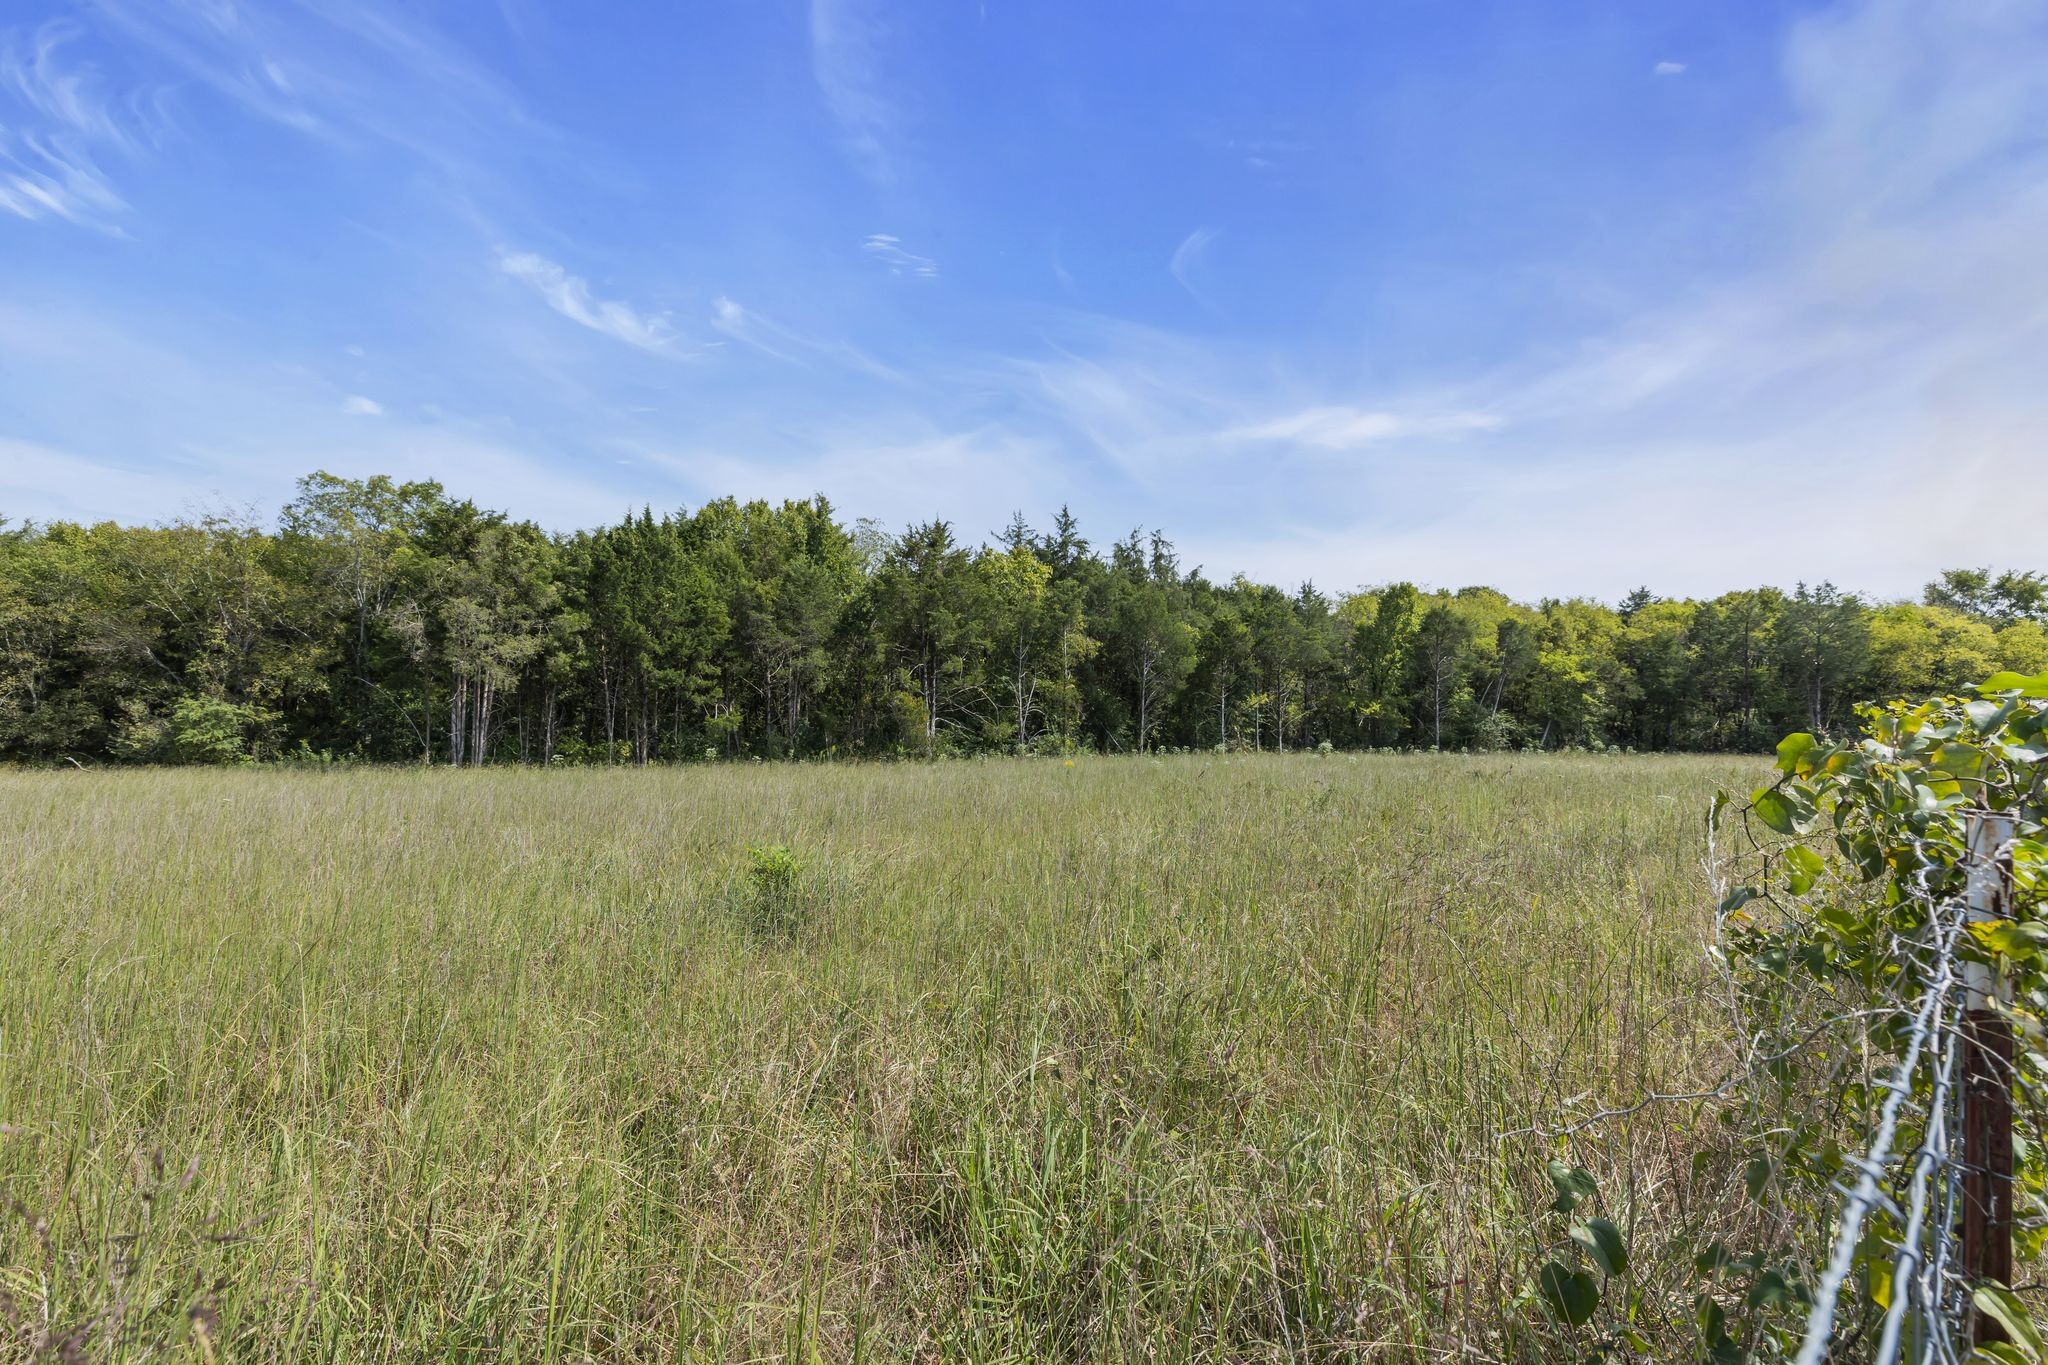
(1160, 1059)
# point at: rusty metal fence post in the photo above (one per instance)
(1987, 1182)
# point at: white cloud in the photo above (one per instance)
(362, 407)
(888, 249)
(1683, 516)
(47, 179)
(47, 484)
(1187, 257)
(349, 75)
(1345, 428)
(570, 296)
(1890, 332)
(214, 419)
(1886, 322)
(846, 42)
(55, 121)
(1669, 68)
(34, 73)
(899, 467)
(771, 338)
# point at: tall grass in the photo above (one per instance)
(1195, 1058)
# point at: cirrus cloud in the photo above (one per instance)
(571, 296)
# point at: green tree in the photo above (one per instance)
(2000, 599)
(1381, 646)
(1823, 643)
(927, 604)
(1223, 660)
(1441, 648)
(1919, 651)
(1024, 624)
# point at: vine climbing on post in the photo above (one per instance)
(1882, 927)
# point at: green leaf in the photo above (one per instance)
(1571, 1294)
(1756, 1175)
(2003, 1307)
(2009, 939)
(1573, 1183)
(1806, 868)
(1774, 810)
(1791, 749)
(1877, 1274)
(1958, 759)
(2003, 682)
(1771, 1290)
(1987, 717)
(1713, 1320)
(1739, 897)
(1839, 918)
(1602, 1240)
(2000, 1352)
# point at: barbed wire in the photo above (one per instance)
(1928, 1294)
(1869, 1190)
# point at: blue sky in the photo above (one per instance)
(1562, 298)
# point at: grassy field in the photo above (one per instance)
(1160, 1059)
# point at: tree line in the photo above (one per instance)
(387, 621)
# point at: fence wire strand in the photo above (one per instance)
(1927, 1313)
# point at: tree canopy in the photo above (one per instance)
(389, 621)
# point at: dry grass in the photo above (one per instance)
(1168, 1059)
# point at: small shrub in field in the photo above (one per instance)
(211, 730)
(1495, 733)
(778, 897)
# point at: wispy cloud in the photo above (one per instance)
(360, 406)
(1893, 326)
(1669, 69)
(348, 75)
(1187, 258)
(570, 295)
(771, 338)
(888, 249)
(846, 59)
(748, 329)
(35, 73)
(1346, 428)
(1266, 153)
(896, 466)
(235, 424)
(56, 121)
(45, 178)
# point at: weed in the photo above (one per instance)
(779, 896)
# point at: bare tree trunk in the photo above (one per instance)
(1144, 699)
(480, 741)
(608, 687)
(458, 719)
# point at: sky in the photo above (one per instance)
(1562, 298)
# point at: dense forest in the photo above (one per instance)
(388, 621)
